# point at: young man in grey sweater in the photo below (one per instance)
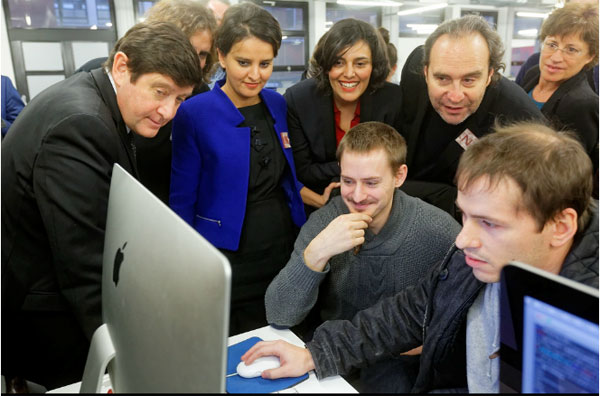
(525, 194)
(367, 244)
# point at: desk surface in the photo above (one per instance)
(312, 385)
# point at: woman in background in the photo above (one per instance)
(199, 25)
(392, 53)
(559, 84)
(233, 175)
(347, 86)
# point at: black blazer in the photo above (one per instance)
(573, 106)
(503, 101)
(311, 125)
(56, 169)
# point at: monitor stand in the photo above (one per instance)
(100, 355)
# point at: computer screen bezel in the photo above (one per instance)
(519, 280)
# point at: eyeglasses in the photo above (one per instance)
(569, 51)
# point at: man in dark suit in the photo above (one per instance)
(453, 94)
(56, 171)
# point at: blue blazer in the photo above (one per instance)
(211, 165)
(11, 104)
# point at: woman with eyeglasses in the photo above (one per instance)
(233, 177)
(559, 85)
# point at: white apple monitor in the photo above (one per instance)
(165, 300)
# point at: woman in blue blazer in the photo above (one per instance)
(233, 176)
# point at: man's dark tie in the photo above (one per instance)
(132, 144)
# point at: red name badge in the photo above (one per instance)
(285, 140)
(466, 139)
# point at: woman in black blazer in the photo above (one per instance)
(347, 86)
(559, 84)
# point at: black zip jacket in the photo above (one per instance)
(433, 314)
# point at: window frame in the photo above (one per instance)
(64, 36)
(333, 6)
(136, 16)
(291, 33)
(442, 17)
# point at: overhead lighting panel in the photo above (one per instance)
(420, 10)
(388, 3)
(525, 14)
(423, 28)
(528, 32)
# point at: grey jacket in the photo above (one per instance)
(432, 313)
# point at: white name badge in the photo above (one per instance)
(466, 139)
(285, 140)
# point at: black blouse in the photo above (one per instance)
(267, 162)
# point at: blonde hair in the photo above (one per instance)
(191, 17)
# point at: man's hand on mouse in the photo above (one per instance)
(342, 234)
(295, 361)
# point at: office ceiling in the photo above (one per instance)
(507, 3)
(539, 4)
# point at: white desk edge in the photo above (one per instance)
(312, 385)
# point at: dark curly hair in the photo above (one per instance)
(342, 35)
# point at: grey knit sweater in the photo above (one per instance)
(416, 236)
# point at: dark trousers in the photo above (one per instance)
(48, 348)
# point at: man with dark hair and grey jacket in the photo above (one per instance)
(525, 195)
(369, 243)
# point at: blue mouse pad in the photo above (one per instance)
(237, 384)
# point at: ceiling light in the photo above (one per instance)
(525, 14)
(389, 3)
(422, 28)
(528, 32)
(422, 9)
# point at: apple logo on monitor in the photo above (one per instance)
(117, 265)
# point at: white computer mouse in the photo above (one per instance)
(258, 366)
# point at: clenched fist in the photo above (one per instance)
(342, 234)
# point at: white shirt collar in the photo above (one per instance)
(112, 82)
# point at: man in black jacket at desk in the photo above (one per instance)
(453, 94)
(56, 170)
(525, 193)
